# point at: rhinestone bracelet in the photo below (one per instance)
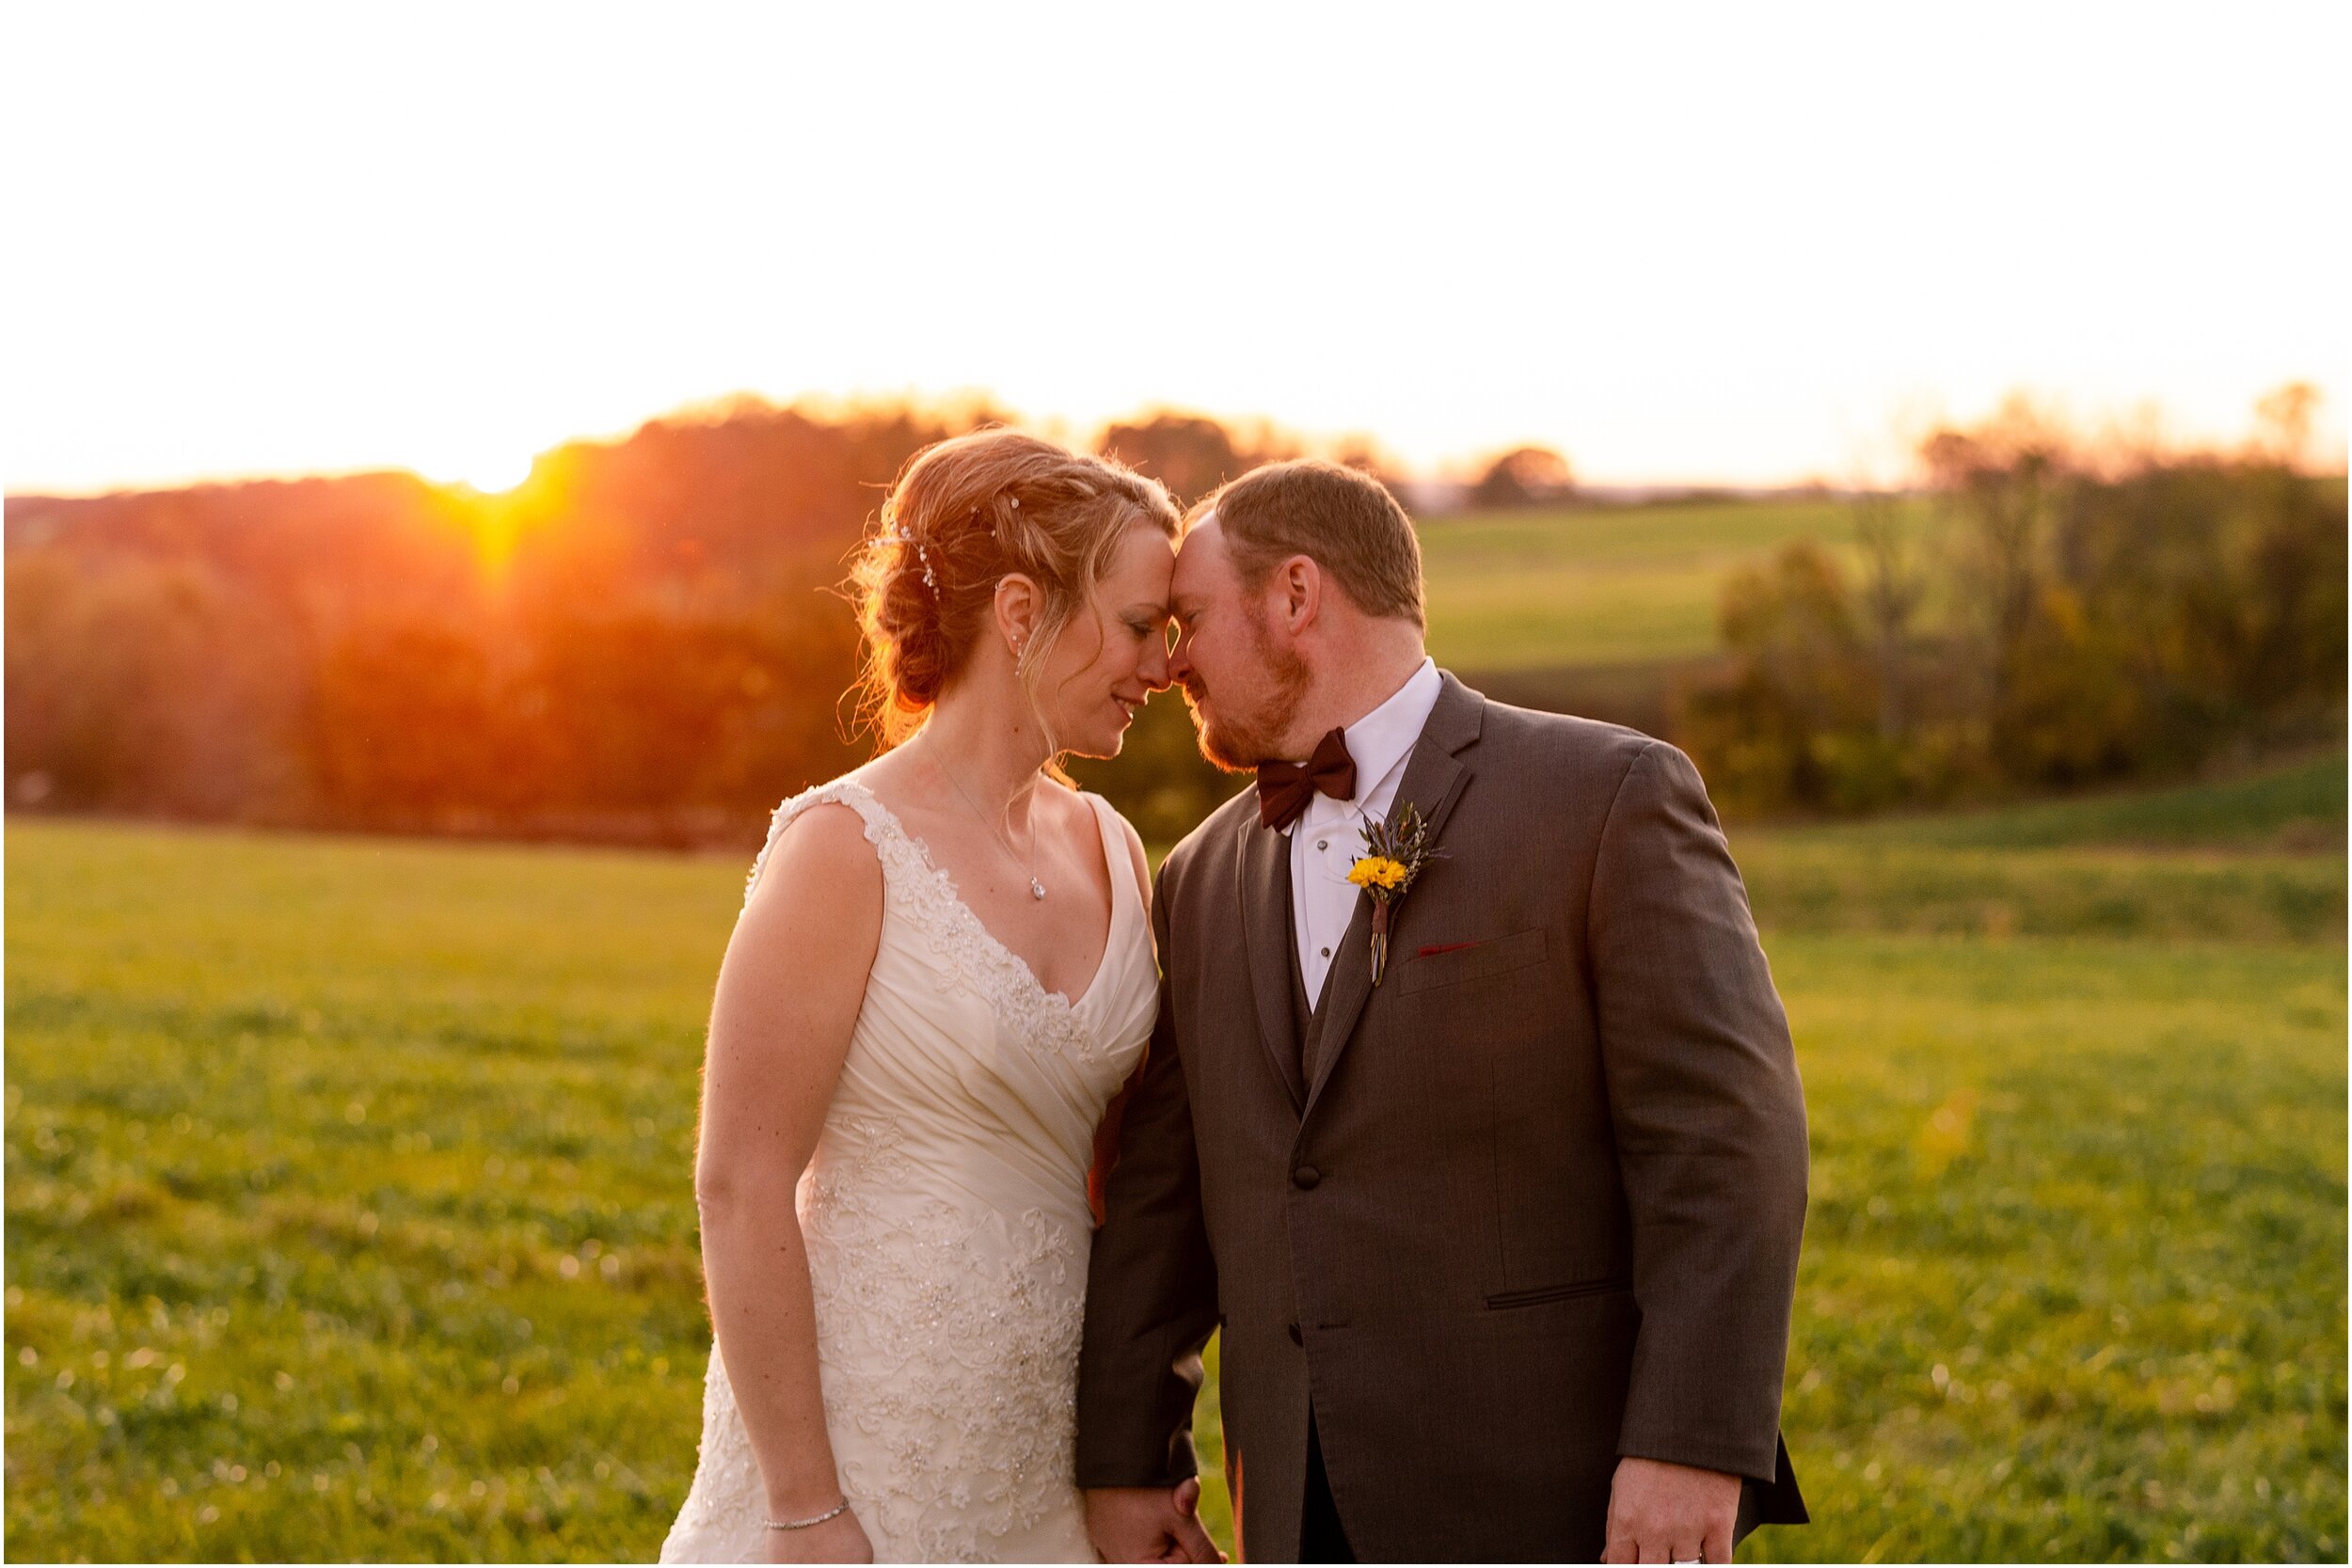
(835, 1511)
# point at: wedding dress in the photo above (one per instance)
(945, 1217)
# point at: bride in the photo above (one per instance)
(942, 973)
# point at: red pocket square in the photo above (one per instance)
(1436, 948)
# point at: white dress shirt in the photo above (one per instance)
(1327, 838)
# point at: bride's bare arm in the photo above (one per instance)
(788, 993)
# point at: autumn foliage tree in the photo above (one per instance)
(1524, 475)
(641, 643)
(2110, 614)
(1191, 454)
(637, 643)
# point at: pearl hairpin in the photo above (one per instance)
(901, 537)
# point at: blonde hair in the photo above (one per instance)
(964, 514)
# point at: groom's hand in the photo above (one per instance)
(1661, 1513)
(1149, 1524)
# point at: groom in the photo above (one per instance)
(1502, 1243)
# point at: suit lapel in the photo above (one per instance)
(1264, 877)
(1433, 781)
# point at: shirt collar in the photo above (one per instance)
(1379, 740)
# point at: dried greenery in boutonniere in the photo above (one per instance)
(1394, 853)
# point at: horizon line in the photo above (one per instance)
(2331, 461)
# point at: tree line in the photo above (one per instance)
(642, 642)
(2044, 613)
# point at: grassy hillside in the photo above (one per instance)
(349, 1211)
(2300, 807)
(2252, 858)
(1619, 585)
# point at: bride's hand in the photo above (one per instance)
(839, 1539)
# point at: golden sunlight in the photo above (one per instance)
(490, 474)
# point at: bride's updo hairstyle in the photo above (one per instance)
(966, 512)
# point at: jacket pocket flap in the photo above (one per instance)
(1497, 956)
(1540, 1293)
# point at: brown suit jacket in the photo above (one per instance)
(1533, 1205)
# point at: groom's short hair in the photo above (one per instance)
(1344, 521)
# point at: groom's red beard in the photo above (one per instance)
(1238, 742)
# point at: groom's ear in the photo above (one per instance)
(1297, 584)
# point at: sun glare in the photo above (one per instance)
(493, 476)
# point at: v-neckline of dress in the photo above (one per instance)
(955, 894)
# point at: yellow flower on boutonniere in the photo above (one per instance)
(1395, 853)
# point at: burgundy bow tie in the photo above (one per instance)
(1285, 787)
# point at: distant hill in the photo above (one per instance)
(1558, 587)
(2298, 807)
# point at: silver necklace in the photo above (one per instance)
(1037, 889)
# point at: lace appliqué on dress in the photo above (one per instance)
(727, 1487)
(949, 1338)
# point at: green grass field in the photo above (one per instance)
(1606, 586)
(350, 1215)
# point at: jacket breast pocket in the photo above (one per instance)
(1477, 961)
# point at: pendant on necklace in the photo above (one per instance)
(1037, 889)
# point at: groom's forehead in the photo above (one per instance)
(1203, 542)
(1198, 555)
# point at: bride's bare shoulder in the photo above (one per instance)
(824, 853)
(889, 779)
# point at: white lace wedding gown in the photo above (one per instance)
(947, 1229)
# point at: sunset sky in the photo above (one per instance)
(1706, 244)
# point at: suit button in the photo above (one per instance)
(1305, 1177)
(1296, 1338)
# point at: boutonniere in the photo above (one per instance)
(1395, 854)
